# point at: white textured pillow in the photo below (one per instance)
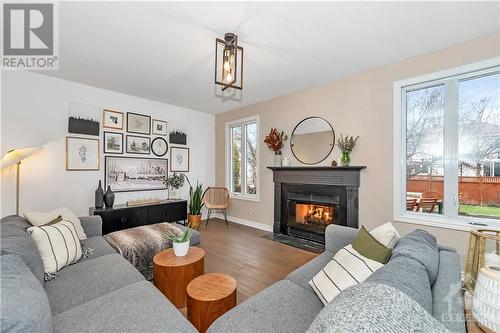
(346, 269)
(58, 245)
(39, 219)
(386, 234)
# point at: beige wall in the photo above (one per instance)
(361, 104)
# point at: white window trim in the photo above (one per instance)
(253, 119)
(455, 222)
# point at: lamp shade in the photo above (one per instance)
(17, 155)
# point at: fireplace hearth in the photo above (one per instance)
(308, 199)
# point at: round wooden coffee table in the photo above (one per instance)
(172, 274)
(209, 297)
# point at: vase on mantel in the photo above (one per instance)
(277, 158)
(109, 198)
(345, 160)
(99, 196)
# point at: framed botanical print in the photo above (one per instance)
(138, 123)
(138, 144)
(113, 143)
(82, 154)
(179, 159)
(159, 147)
(126, 174)
(159, 127)
(112, 119)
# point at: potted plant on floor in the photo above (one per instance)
(195, 204)
(180, 243)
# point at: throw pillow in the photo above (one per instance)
(370, 247)
(346, 269)
(38, 219)
(386, 234)
(58, 245)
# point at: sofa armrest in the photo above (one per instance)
(337, 236)
(92, 225)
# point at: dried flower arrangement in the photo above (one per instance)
(346, 144)
(274, 140)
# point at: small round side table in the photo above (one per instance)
(209, 297)
(172, 274)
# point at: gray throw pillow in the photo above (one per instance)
(25, 306)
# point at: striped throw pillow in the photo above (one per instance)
(58, 245)
(346, 269)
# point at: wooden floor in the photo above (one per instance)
(253, 261)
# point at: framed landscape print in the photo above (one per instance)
(179, 159)
(82, 154)
(138, 144)
(112, 119)
(138, 123)
(126, 174)
(159, 127)
(159, 147)
(113, 143)
(83, 119)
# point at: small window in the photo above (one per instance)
(242, 157)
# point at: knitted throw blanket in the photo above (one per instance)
(139, 245)
(374, 307)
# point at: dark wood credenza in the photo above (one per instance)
(121, 217)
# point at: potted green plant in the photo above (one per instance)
(195, 204)
(346, 145)
(173, 183)
(180, 243)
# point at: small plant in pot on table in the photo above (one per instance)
(195, 204)
(180, 243)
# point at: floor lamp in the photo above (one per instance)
(15, 156)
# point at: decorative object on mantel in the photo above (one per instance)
(140, 202)
(346, 145)
(312, 140)
(334, 163)
(109, 197)
(274, 141)
(99, 196)
(195, 204)
(285, 162)
(228, 62)
(180, 242)
(177, 138)
(173, 183)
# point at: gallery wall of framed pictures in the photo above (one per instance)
(135, 147)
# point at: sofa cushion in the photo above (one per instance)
(38, 219)
(421, 246)
(386, 234)
(138, 307)
(283, 307)
(15, 240)
(368, 246)
(99, 245)
(407, 275)
(87, 280)
(302, 275)
(24, 306)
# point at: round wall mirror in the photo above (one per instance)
(312, 140)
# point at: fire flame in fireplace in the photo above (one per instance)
(314, 214)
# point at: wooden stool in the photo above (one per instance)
(172, 274)
(209, 297)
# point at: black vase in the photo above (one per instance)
(109, 197)
(99, 194)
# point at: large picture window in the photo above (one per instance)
(242, 139)
(447, 146)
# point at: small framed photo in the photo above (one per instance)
(159, 127)
(138, 145)
(159, 147)
(138, 123)
(113, 143)
(179, 159)
(82, 154)
(112, 119)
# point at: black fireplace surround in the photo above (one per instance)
(307, 199)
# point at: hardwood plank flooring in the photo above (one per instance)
(240, 251)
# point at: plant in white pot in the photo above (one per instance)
(180, 242)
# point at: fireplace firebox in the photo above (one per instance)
(308, 199)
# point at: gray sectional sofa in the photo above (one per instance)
(101, 293)
(291, 305)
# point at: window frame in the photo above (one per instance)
(228, 152)
(450, 79)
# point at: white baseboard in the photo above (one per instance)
(248, 223)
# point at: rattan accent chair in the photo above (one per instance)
(216, 199)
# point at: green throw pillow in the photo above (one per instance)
(371, 248)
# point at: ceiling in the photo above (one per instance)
(164, 51)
